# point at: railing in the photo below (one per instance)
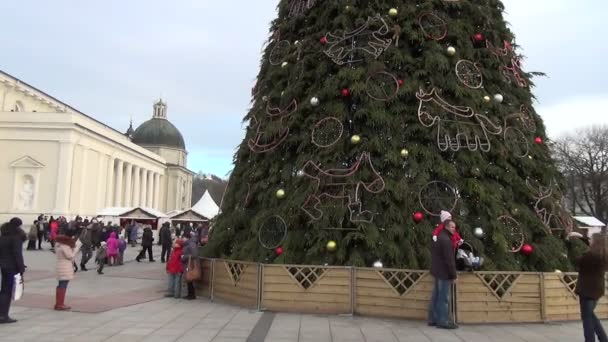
(482, 297)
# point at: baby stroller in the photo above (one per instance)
(466, 259)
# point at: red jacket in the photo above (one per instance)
(54, 230)
(174, 265)
(455, 237)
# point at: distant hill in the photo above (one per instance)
(213, 183)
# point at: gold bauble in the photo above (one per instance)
(405, 153)
(355, 139)
(393, 12)
(280, 193)
(332, 246)
(487, 99)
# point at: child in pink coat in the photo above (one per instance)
(112, 249)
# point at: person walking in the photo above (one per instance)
(40, 231)
(54, 231)
(66, 249)
(101, 256)
(190, 251)
(133, 234)
(591, 286)
(112, 244)
(122, 247)
(164, 236)
(32, 236)
(175, 269)
(443, 270)
(147, 240)
(86, 239)
(11, 264)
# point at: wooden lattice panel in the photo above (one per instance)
(499, 283)
(570, 281)
(402, 281)
(235, 270)
(306, 277)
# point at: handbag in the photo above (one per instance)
(18, 288)
(193, 270)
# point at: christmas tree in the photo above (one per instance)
(369, 118)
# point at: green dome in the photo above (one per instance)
(158, 132)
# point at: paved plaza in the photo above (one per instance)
(128, 304)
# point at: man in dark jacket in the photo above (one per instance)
(164, 236)
(11, 263)
(443, 269)
(146, 243)
(86, 238)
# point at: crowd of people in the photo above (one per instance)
(108, 242)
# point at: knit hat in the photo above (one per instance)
(15, 222)
(445, 216)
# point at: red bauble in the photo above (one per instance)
(527, 250)
(323, 40)
(401, 82)
(345, 92)
(418, 217)
(278, 251)
(478, 38)
(538, 140)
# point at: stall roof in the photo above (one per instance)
(589, 221)
(206, 206)
(189, 215)
(129, 212)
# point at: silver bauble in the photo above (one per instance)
(378, 264)
(478, 232)
(498, 98)
(314, 101)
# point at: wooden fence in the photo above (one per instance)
(481, 297)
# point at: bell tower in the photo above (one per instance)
(160, 110)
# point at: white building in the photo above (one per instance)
(57, 160)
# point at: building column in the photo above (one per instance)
(150, 195)
(64, 178)
(156, 190)
(144, 187)
(118, 188)
(110, 183)
(136, 186)
(101, 183)
(83, 177)
(129, 186)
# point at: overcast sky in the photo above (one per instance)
(111, 59)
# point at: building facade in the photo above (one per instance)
(56, 160)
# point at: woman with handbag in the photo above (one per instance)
(11, 264)
(190, 258)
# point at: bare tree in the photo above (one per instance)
(583, 158)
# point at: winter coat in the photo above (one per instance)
(33, 233)
(11, 254)
(443, 259)
(175, 265)
(165, 236)
(54, 225)
(112, 245)
(86, 236)
(456, 238)
(102, 254)
(190, 249)
(66, 251)
(148, 238)
(122, 246)
(591, 280)
(133, 233)
(105, 233)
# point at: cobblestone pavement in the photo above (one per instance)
(127, 304)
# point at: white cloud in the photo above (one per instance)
(573, 113)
